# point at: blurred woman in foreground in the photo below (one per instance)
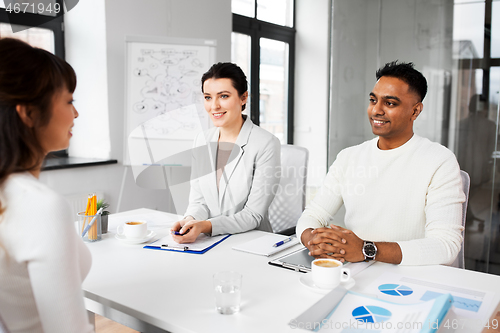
(42, 260)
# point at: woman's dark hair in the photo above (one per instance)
(228, 70)
(30, 77)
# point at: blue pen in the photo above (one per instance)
(282, 242)
(91, 222)
(179, 234)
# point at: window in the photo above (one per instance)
(263, 45)
(43, 29)
(476, 39)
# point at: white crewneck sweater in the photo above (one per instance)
(42, 260)
(411, 195)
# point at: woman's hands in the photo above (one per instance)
(189, 228)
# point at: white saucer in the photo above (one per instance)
(306, 280)
(124, 239)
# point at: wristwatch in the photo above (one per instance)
(369, 250)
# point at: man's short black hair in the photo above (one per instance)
(405, 71)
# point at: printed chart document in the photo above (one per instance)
(264, 245)
(404, 289)
(358, 313)
(366, 313)
(470, 306)
(202, 244)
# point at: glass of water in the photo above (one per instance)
(227, 286)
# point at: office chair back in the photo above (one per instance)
(460, 260)
(290, 199)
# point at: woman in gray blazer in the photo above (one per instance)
(236, 164)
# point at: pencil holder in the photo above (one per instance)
(89, 228)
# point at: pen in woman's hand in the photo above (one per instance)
(178, 233)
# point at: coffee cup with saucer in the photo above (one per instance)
(134, 232)
(327, 274)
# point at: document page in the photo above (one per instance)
(470, 309)
(467, 302)
(357, 313)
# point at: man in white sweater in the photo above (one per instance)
(402, 193)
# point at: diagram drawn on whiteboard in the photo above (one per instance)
(164, 100)
(170, 82)
(167, 81)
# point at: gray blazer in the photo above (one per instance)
(247, 186)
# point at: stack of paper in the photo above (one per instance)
(264, 245)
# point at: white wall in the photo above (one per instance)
(96, 49)
(312, 85)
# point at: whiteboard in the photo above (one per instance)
(164, 105)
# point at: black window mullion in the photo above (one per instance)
(291, 84)
(487, 50)
(242, 24)
(255, 78)
(255, 68)
(274, 31)
(60, 46)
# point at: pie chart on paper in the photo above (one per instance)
(371, 314)
(395, 289)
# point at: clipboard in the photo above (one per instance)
(299, 261)
(202, 244)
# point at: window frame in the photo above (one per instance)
(256, 29)
(56, 24)
(486, 62)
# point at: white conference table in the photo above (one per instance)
(158, 291)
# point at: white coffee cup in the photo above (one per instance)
(328, 273)
(133, 229)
